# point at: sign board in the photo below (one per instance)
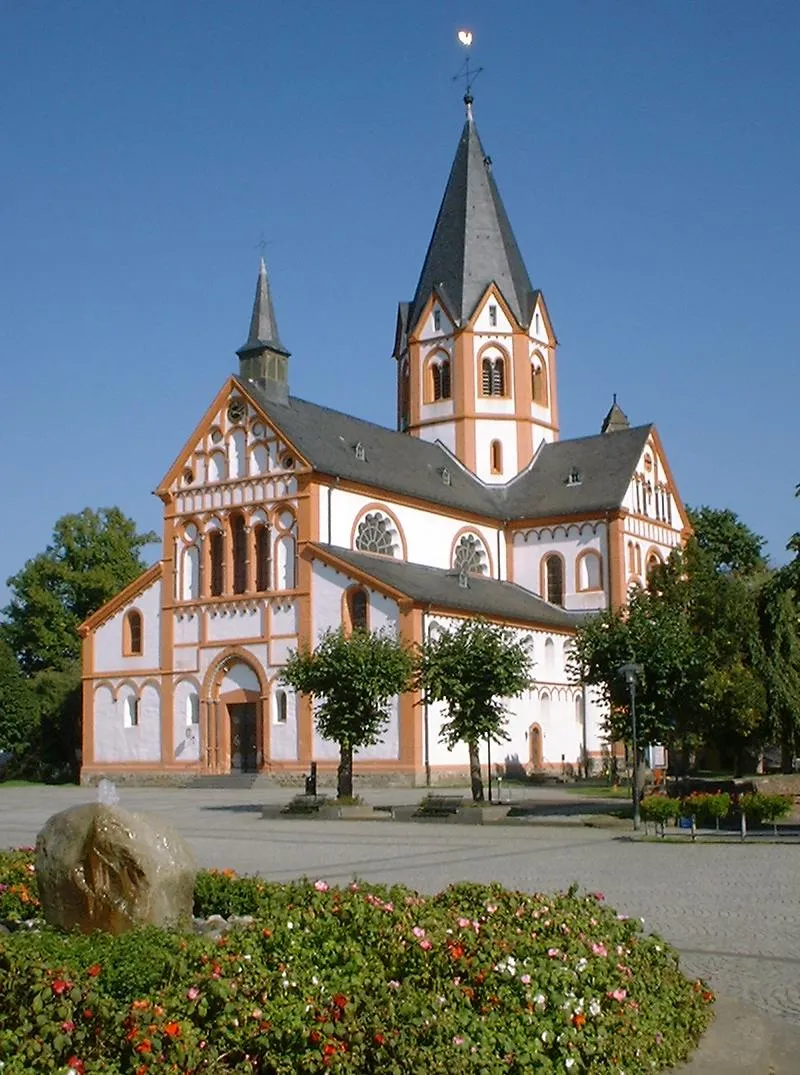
(684, 822)
(658, 757)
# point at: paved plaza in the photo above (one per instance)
(732, 910)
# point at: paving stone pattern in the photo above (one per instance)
(732, 910)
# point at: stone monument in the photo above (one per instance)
(101, 867)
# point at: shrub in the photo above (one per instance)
(659, 809)
(19, 893)
(354, 980)
(759, 807)
(707, 806)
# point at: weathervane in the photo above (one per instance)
(468, 73)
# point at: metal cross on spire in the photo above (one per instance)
(467, 72)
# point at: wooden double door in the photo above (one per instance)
(244, 737)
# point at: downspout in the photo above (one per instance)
(425, 729)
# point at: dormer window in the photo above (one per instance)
(493, 315)
(361, 454)
(574, 477)
(437, 320)
(446, 478)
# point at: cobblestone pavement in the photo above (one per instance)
(733, 910)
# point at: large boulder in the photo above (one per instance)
(100, 867)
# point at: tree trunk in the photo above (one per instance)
(344, 776)
(475, 776)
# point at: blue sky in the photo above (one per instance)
(647, 155)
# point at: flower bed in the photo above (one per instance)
(354, 980)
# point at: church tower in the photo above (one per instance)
(475, 349)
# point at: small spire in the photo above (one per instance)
(616, 419)
(263, 325)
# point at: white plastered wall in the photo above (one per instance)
(114, 741)
(429, 535)
(108, 637)
(529, 547)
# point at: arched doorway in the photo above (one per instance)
(535, 757)
(236, 722)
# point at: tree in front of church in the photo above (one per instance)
(19, 712)
(91, 557)
(352, 679)
(473, 669)
(730, 543)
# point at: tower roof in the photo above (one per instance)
(472, 243)
(263, 326)
(616, 419)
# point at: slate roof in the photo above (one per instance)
(472, 242)
(393, 461)
(603, 466)
(399, 463)
(441, 589)
(263, 324)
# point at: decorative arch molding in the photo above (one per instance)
(556, 531)
(219, 667)
(128, 684)
(589, 567)
(544, 588)
(437, 376)
(470, 531)
(653, 558)
(376, 506)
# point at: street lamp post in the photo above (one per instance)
(632, 674)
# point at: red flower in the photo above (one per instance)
(76, 1065)
(328, 1049)
(457, 951)
(379, 1039)
(144, 1046)
(59, 986)
(68, 1026)
(172, 1029)
(315, 1037)
(578, 1019)
(88, 1013)
(340, 1000)
(94, 970)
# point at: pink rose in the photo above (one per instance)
(321, 886)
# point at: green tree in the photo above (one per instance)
(657, 635)
(730, 543)
(473, 669)
(91, 557)
(19, 712)
(352, 680)
(60, 704)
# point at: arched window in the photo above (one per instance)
(132, 634)
(436, 381)
(493, 376)
(190, 573)
(285, 555)
(130, 711)
(554, 580)
(263, 554)
(578, 709)
(216, 557)
(549, 657)
(590, 573)
(638, 551)
(357, 609)
(439, 379)
(216, 467)
(653, 561)
(376, 533)
(445, 378)
(544, 706)
(539, 382)
(281, 707)
(239, 546)
(496, 457)
(470, 555)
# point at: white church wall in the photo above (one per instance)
(441, 431)
(239, 620)
(108, 638)
(486, 432)
(283, 733)
(127, 725)
(529, 547)
(186, 720)
(186, 628)
(429, 536)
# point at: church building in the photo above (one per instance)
(283, 518)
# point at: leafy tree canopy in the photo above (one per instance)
(91, 557)
(473, 669)
(19, 712)
(353, 680)
(731, 544)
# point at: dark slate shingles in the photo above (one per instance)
(441, 589)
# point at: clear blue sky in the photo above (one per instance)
(647, 155)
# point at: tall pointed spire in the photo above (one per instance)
(472, 244)
(263, 358)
